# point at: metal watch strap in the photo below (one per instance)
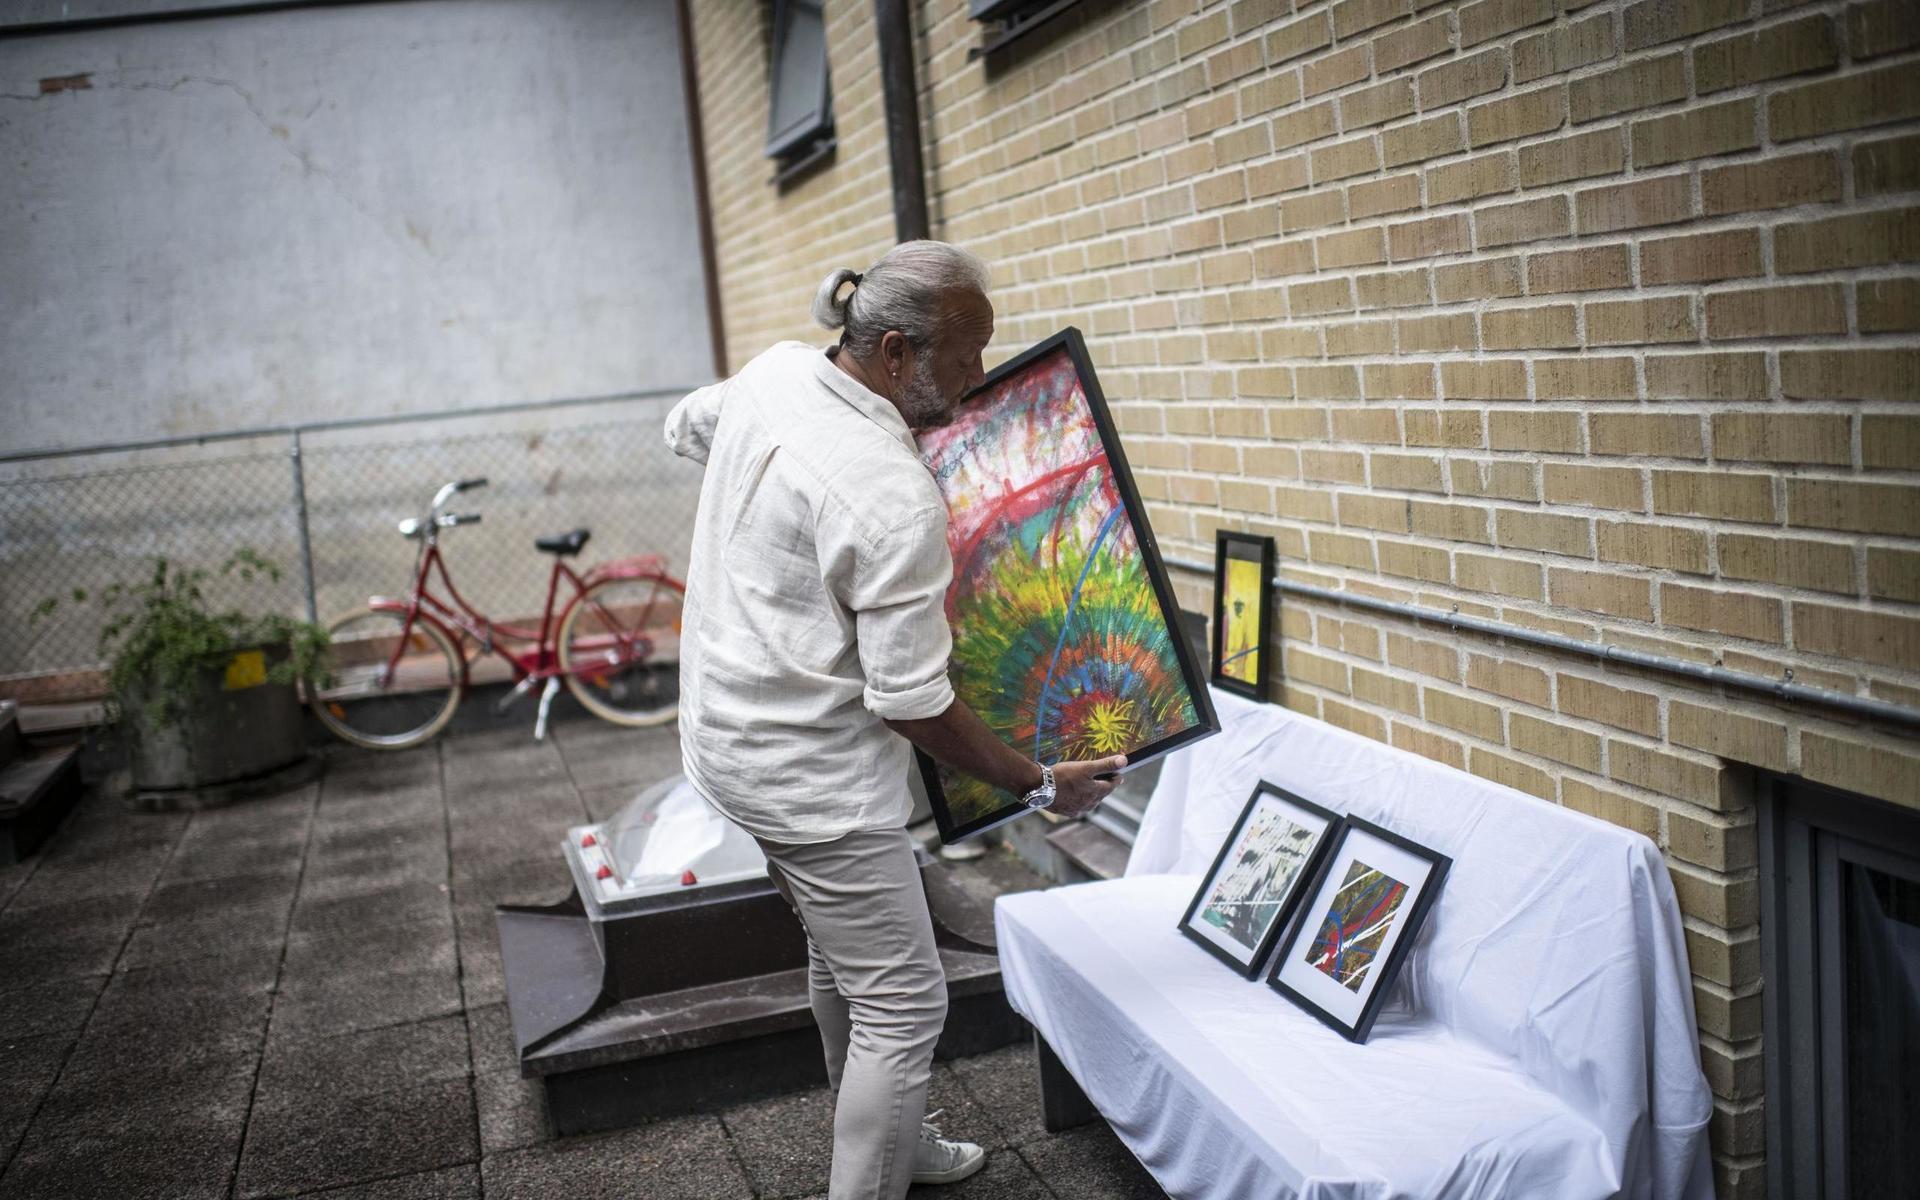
(1046, 789)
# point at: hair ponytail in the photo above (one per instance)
(829, 307)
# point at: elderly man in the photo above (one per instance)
(815, 649)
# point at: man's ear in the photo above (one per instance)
(893, 352)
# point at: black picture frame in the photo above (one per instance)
(1070, 341)
(1245, 547)
(1291, 895)
(1356, 1026)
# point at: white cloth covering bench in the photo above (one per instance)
(1540, 1043)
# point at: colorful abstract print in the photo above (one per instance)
(1356, 924)
(1245, 901)
(1058, 638)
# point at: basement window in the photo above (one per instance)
(1008, 21)
(800, 95)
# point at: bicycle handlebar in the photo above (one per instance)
(460, 519)
(468, 484)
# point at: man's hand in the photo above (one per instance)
(1078, 787)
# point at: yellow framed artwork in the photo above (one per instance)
(1242, 612)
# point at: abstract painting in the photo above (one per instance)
(1064, 638)
(1242, 612)
(1369, 898)
(1257, 879)
(1351, 934)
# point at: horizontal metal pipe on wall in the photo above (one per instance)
(1778, 689)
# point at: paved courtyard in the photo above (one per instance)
(302, 996)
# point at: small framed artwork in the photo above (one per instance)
(1242, 612)
(1256, 883)
(1363, 911)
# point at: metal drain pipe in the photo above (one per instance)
(1778, 689)
(894, 29)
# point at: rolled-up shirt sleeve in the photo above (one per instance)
(897, 591)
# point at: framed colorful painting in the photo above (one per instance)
(1065, 634)
(1255, 884)
(1373, 892)
(1242, 612)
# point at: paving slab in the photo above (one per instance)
(31, 1064)
(191, 899)
(330, 1140)
(237, 933)
(450, 1183)
(685, 1158)
(1005, 1177)
(127, 1162)
(513, 1111)
(490, 1039)
(59, 1005)
(364, 1000)
(1005, 1084)
(315, 956)
(384, 903)
(366, 1062)
(1090, 1163)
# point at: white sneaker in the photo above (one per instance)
(963, 851)
(937, 1160)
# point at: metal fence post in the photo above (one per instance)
(300, 522)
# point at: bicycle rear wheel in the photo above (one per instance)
(620, 649)
(384, 685)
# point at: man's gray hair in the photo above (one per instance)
(902, 291)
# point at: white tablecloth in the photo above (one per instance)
(1544, 1043)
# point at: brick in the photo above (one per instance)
(1374, 197)
(1654, 22)
(1696, 133)
(1785, 181)
(1526, 221)
(1280, 259)
(1428, 238)
(1354, 720)
(1721, 844)
(1344, 159)
(1590, 269)
(1777, 311)
(1359, 247)
(1443, 428)
(1315, 210)
(1448, 331)
(1331, 382)
(1503, 120)
(1373, 512)
(1482, 279)
(1393, 289)
(1855, 240)
(1546, 327)
(1501, 576)
(1491, 18)
(1598, 487)
(1783, 437)
(1306, 667)
(1889, 165)
(1658, 201)
(1893, 574)
(1421, 140)
(1550, 532)
(1295, 38)
(1736, 614)
(1888, 305)
(1550, 739)
(1302, 125)
(1336, 70)
(1739, 376)
(1852, 101)
(1407, 472)
(1377, 104)
(1640, 322)
(1429, 745)
(1660, 546)
(1881, 27)
(1411, 44)
(1850, 374)
(1726, 904)
(1724, 494)
(1464, 714)
(1887, 772)
(1655, 435)
(1485, 175)
(1601, 592)
(1641, 84)
(1549, 432)
(1622, 708)
(1676, 775)
(1563, 49)
(1579, 156)
(1581, 377)
(1376, 425)
(1771, 53)
(1515, 681)
(1272, 177)
(1413, 562)
(1794, 562)
(1399, 381)
(1744, 739)
(1386, 691)
(1511, 772)
(1463, 78)
(1701, 258)
(1873, 636)
(1615, 808)
(1887, 440)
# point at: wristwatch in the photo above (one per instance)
(1042, 796)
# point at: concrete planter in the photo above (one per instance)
(238, 735)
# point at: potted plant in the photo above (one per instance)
(209, 701)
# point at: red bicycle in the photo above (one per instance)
(393, 674)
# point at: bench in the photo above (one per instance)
(1539, 1042)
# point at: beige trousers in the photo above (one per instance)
(878, 994)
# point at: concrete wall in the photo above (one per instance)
(1598, 318)
(342, 211)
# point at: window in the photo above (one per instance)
(800, 98)
(1011, 20)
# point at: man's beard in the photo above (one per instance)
(920, 400)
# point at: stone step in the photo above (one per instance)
(37, 790)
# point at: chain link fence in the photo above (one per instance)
(89, 519)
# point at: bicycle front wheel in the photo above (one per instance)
(620, 649)
(384, 684)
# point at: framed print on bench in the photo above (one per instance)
(1065, 631)
(1367, 903)
(1263, 868)
(1242, 612)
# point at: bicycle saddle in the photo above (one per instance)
(563, 544)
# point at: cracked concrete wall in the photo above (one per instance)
(340, 212)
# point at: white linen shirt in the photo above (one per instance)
(815, 601)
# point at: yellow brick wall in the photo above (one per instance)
(1601, 319)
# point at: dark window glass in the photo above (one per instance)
(800, 106)
(1881, 917)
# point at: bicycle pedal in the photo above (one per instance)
(513, 697)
